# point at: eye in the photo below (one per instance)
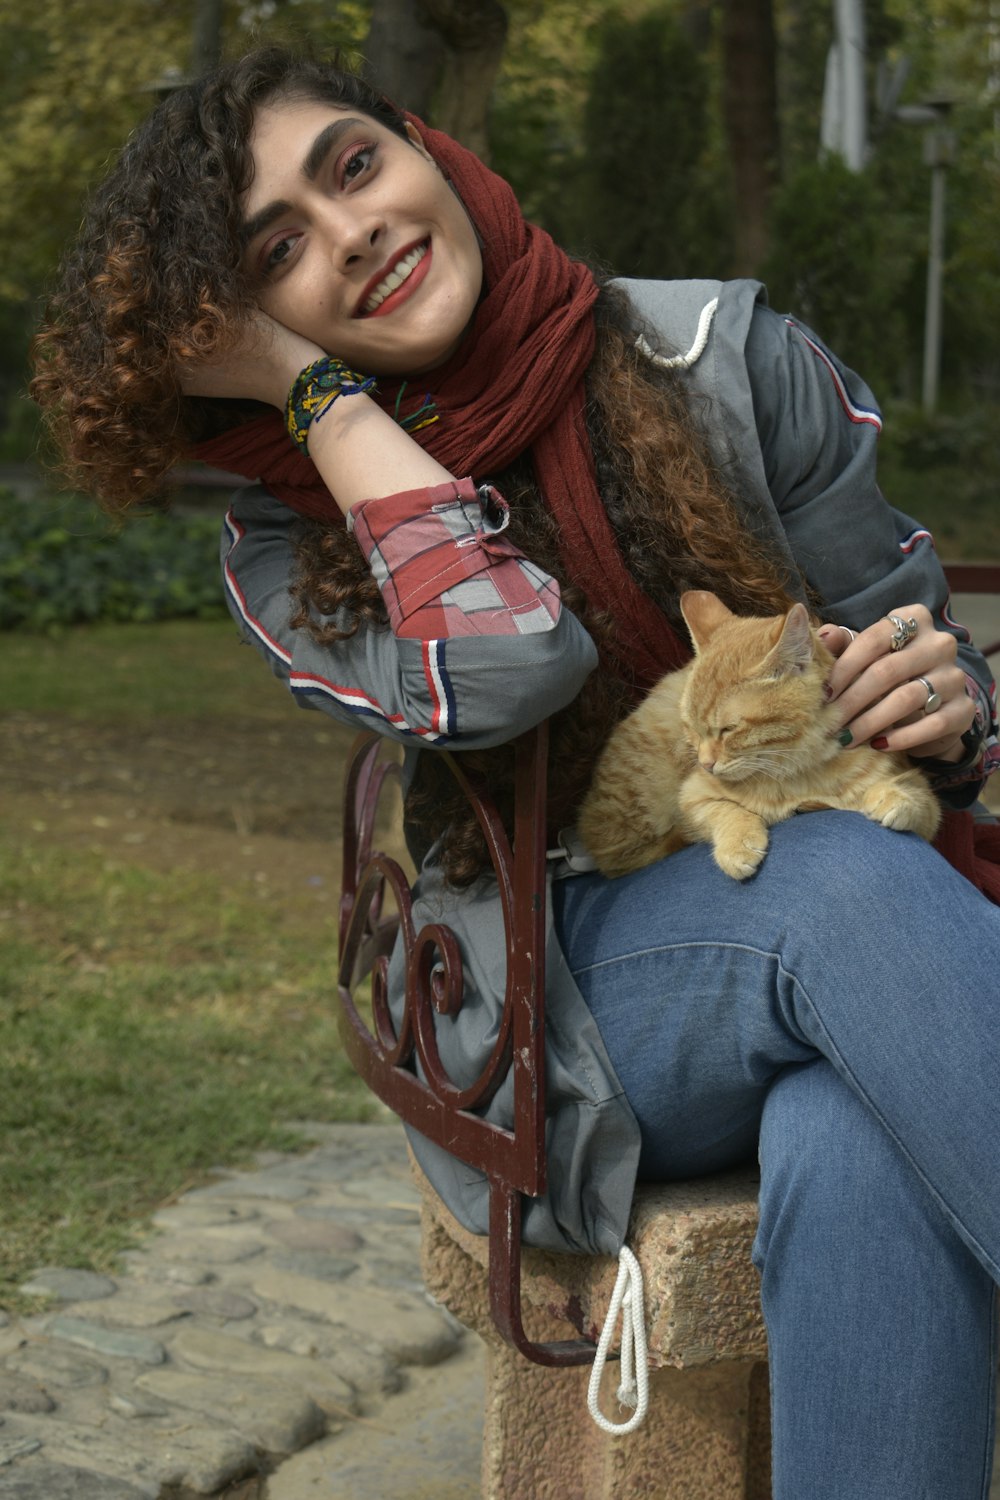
(276, 253)
(356, 162)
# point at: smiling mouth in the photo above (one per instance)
(396, 278)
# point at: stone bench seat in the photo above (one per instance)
(706, 1436)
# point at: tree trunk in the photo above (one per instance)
(474, 33)
(403, 55)
(206, 41)
(695, 17)
(439, 58)
(750, 106)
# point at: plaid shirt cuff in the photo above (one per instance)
(444, 567)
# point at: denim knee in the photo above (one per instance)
(845, 863)
(832, 1178)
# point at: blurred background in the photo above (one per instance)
(845, 151)
(169, 827)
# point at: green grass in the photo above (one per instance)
(154, 1026)
(156, 1022)
(132, 672)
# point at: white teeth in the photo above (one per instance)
(395, 278)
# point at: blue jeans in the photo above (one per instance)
(838, 1014)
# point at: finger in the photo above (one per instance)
(950, 723)
(907, 702)
(900, 721)
(261, 364)
(836, 638)
(878, 671)
(864, 649)
(876, 642)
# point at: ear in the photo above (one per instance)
(794, 649)
(416, 139)
(703, 614)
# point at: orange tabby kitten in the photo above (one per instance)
(740, 738)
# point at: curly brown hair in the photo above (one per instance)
(675, 525)
(154, 278)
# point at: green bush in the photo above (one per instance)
(650, 199)
(944, 470)
(840, 260)
(63, 562)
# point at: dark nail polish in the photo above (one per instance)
(827, 691)
(880, 744)
(845, 737)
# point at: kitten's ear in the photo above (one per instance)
(703, 614)
(794, 650)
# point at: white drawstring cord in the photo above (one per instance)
(634, 1387)
(683, 361)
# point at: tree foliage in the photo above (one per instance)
(538, 105)
(838, 265)
(644, 199)
(607, 117)
(77, 76)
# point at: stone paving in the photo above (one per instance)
(270, 1340)
(273, 1311)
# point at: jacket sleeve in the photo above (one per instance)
(819, 426)
(480, 648)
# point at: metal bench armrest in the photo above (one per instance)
(402, 1064)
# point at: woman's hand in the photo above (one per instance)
(261, 367)
(883, 693)
(359, 451)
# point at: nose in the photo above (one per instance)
(352, 235)
(706, 765)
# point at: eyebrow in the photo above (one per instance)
(312, 164)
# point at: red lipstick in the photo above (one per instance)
(410, 285)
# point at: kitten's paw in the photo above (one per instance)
(739, 860)
(905, 811)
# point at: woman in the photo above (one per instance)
(543, 465)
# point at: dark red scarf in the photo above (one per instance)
(516, 383)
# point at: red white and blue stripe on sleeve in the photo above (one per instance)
(907, 545)
(861, 416)
(353, 699)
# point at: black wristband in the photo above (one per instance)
(973, 741)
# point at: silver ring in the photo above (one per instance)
(903, 631)
(934, 699)
(848, 631)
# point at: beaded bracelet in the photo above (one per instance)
(315, 389)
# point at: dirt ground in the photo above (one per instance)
(253, 800)
(250, 799)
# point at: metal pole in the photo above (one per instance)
(938, 149)
(850, 20)
(206, 42)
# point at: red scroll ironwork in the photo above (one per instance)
(387, 1057)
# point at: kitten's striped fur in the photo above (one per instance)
(739, 739)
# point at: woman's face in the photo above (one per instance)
(354, 239)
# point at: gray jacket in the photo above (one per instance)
(794, 434)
